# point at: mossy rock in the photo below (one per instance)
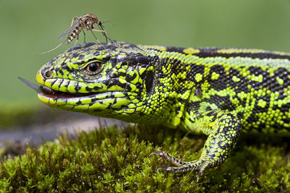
(113, 160)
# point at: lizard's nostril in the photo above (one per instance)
(47, 73)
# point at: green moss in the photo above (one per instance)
(112, 160)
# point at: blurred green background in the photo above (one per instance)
(30, 26)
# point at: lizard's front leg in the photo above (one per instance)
(224, 128)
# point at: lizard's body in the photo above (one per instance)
(218, 92)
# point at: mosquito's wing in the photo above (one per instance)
(68, 30)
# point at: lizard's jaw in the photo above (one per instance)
(97, 102)
(58, 98)
(55, 94)
(104, 103)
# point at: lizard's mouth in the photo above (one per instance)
(103, 103)
(51, 93)
(93, 103)
(55, 94)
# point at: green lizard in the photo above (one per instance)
(217, 92)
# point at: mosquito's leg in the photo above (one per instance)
(76, 41)
(72, 21)
(95, 35)
(104, 32)
(52, 48)
(106, 35)
(84, 36)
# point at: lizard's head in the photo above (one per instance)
(108, 80)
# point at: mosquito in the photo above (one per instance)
(87, 22)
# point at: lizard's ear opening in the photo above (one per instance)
(149, 82)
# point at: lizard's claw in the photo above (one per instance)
(166, 168)
(160, 153)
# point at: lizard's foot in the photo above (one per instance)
(201, 164)
(171, 159)
(224, 135)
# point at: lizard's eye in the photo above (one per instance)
(93, 68)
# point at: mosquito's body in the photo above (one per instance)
(87, 22)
